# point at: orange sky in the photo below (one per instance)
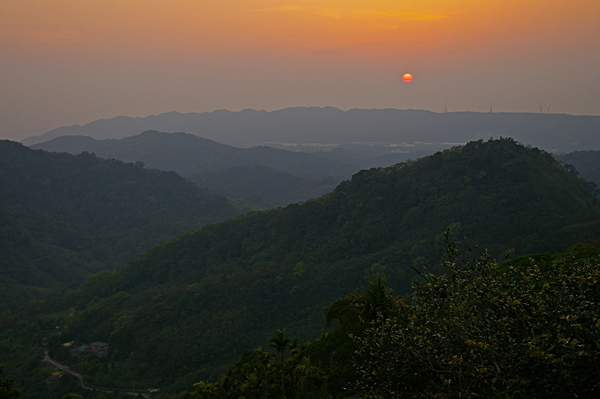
(73, 61)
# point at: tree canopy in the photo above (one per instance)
(63, 217)
(526, 328)
(7, 390)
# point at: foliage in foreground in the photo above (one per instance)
(7, 390)
(527, 328)
(319, 369)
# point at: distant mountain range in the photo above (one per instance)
(331, 126)
(587, 164)
(340, 144)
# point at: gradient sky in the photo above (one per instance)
(65, 62)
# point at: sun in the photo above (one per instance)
(407, 77)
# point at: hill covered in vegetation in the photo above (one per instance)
(526, 328)
(186, 309)
(64, 217)
(265, 176)
(188, 154)
(587, 163)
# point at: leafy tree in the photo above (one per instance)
(526, 328)
(378, 301)
(280, 343)
(333, 352)
(308, 374)
(7, 390)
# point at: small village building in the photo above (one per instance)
(80, 350)
(56, 375)
(99, 346)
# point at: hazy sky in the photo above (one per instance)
(65, 62)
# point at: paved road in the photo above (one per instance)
(65, 369)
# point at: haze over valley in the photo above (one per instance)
(299, 200)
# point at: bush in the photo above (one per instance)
(527, 328)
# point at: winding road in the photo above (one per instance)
(65, 369)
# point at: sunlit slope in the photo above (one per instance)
(191, 305)
(64, 216)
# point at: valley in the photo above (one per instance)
(185, 310)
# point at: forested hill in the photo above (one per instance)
(189, 155)
(63, 217)
(191, 305)
(264, 176)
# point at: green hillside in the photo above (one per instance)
(189, 307)
(525, 328)
(185, 310)
(63, 217)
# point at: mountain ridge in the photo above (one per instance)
(328, 125)
(189, 154)
(225, 287)
(65, 216)
(261, 176)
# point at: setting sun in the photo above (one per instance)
(110, 57)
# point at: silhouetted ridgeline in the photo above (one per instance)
(262, 176)
(189, 155)
(551, 132)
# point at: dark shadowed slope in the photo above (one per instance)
(188, 154)
(64, 216)
(263, 176)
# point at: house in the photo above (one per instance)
(56, 375)
(98, 346)
(80, 350)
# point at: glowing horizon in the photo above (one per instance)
(70, 62)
